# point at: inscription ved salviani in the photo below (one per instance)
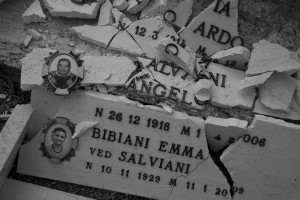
(136, 149)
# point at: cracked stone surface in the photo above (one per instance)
(160, 141)
(34, 13)
(109, 70)
(209, 28)
(223, 132)
(69, 9)
(269, 57)
(267, 169)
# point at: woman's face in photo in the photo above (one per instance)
(58, 137)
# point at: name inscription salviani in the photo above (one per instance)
(133, 149)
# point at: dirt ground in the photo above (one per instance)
(277, 21)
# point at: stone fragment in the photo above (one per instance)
(214, 29)
(144, 61)
(102, 88)
(34, 34)
(118, 15)
(158, 8)
(167, 108)
(83, 127)
(99, 35)
(226, 92)
(148, 32)
(34, 13)
(32, 67)
(277, 92)
(120, 4)
(27, 40)
(123, 23)
(67, 8)
(18, 190)
(182, 13)
(11, 137)
(106, 16)
(181, 57)
(109, 70)
(152, 149)
(123, 42)
(269, 57)
(136, 6)
(223, 132)
(295, 105)
(264, 164)
(202, 90)
(254, 81)
(236, 57)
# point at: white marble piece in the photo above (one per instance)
(34, 34)
(236, 57)
(106, 15)
(18, 190)
(214, 29)
(148, 32)
(118, 15)
(254, 81)
(277, 92)
(123, 42)
(136, 6)
(181, 57)
(11, 137)
(67, 8)
(32, 67)
(82, 127)
(144, 61)
(34, 13)
(202, 89)
(268, 57)
(120, 4)
(223, 132)
(109, 70)
(123, 153)
(266, 162)
(260, 108)
(99, 35)
(229, 94)
(182, 13)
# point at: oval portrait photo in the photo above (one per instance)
(58, 141)
(62, 71)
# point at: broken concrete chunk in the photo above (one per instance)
(202, 90)
(277, 92)
(34, 34)
(109, 70)
(99, 35)
(269, 57)
(136, 6)
(236, 57)
(265, 162)
(226, 92)
(180, 14)
(34, 13)
(179, 56)
(254, 81)
(120, 4)
(67, 8)
(123, 42)
(106, 16)
(223, 132)
(158, 8)
(27, 40)
(214, 29)
(118, 15)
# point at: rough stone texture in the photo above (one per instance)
(277, 92)
(182, 13)
(67, 8)
(254, 81)
(105, 16)
(34, 13)
(236, 57)
(267, 169)
(135, 6)
(18, 190)
(223, 132)
(11, 137)
(268, 57)
(109, 70)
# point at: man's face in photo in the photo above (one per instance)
(58, 137)
(63, 67)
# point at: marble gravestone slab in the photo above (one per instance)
(135, 149)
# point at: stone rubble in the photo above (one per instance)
(27, 40)
(34, 34)
(34, 13)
